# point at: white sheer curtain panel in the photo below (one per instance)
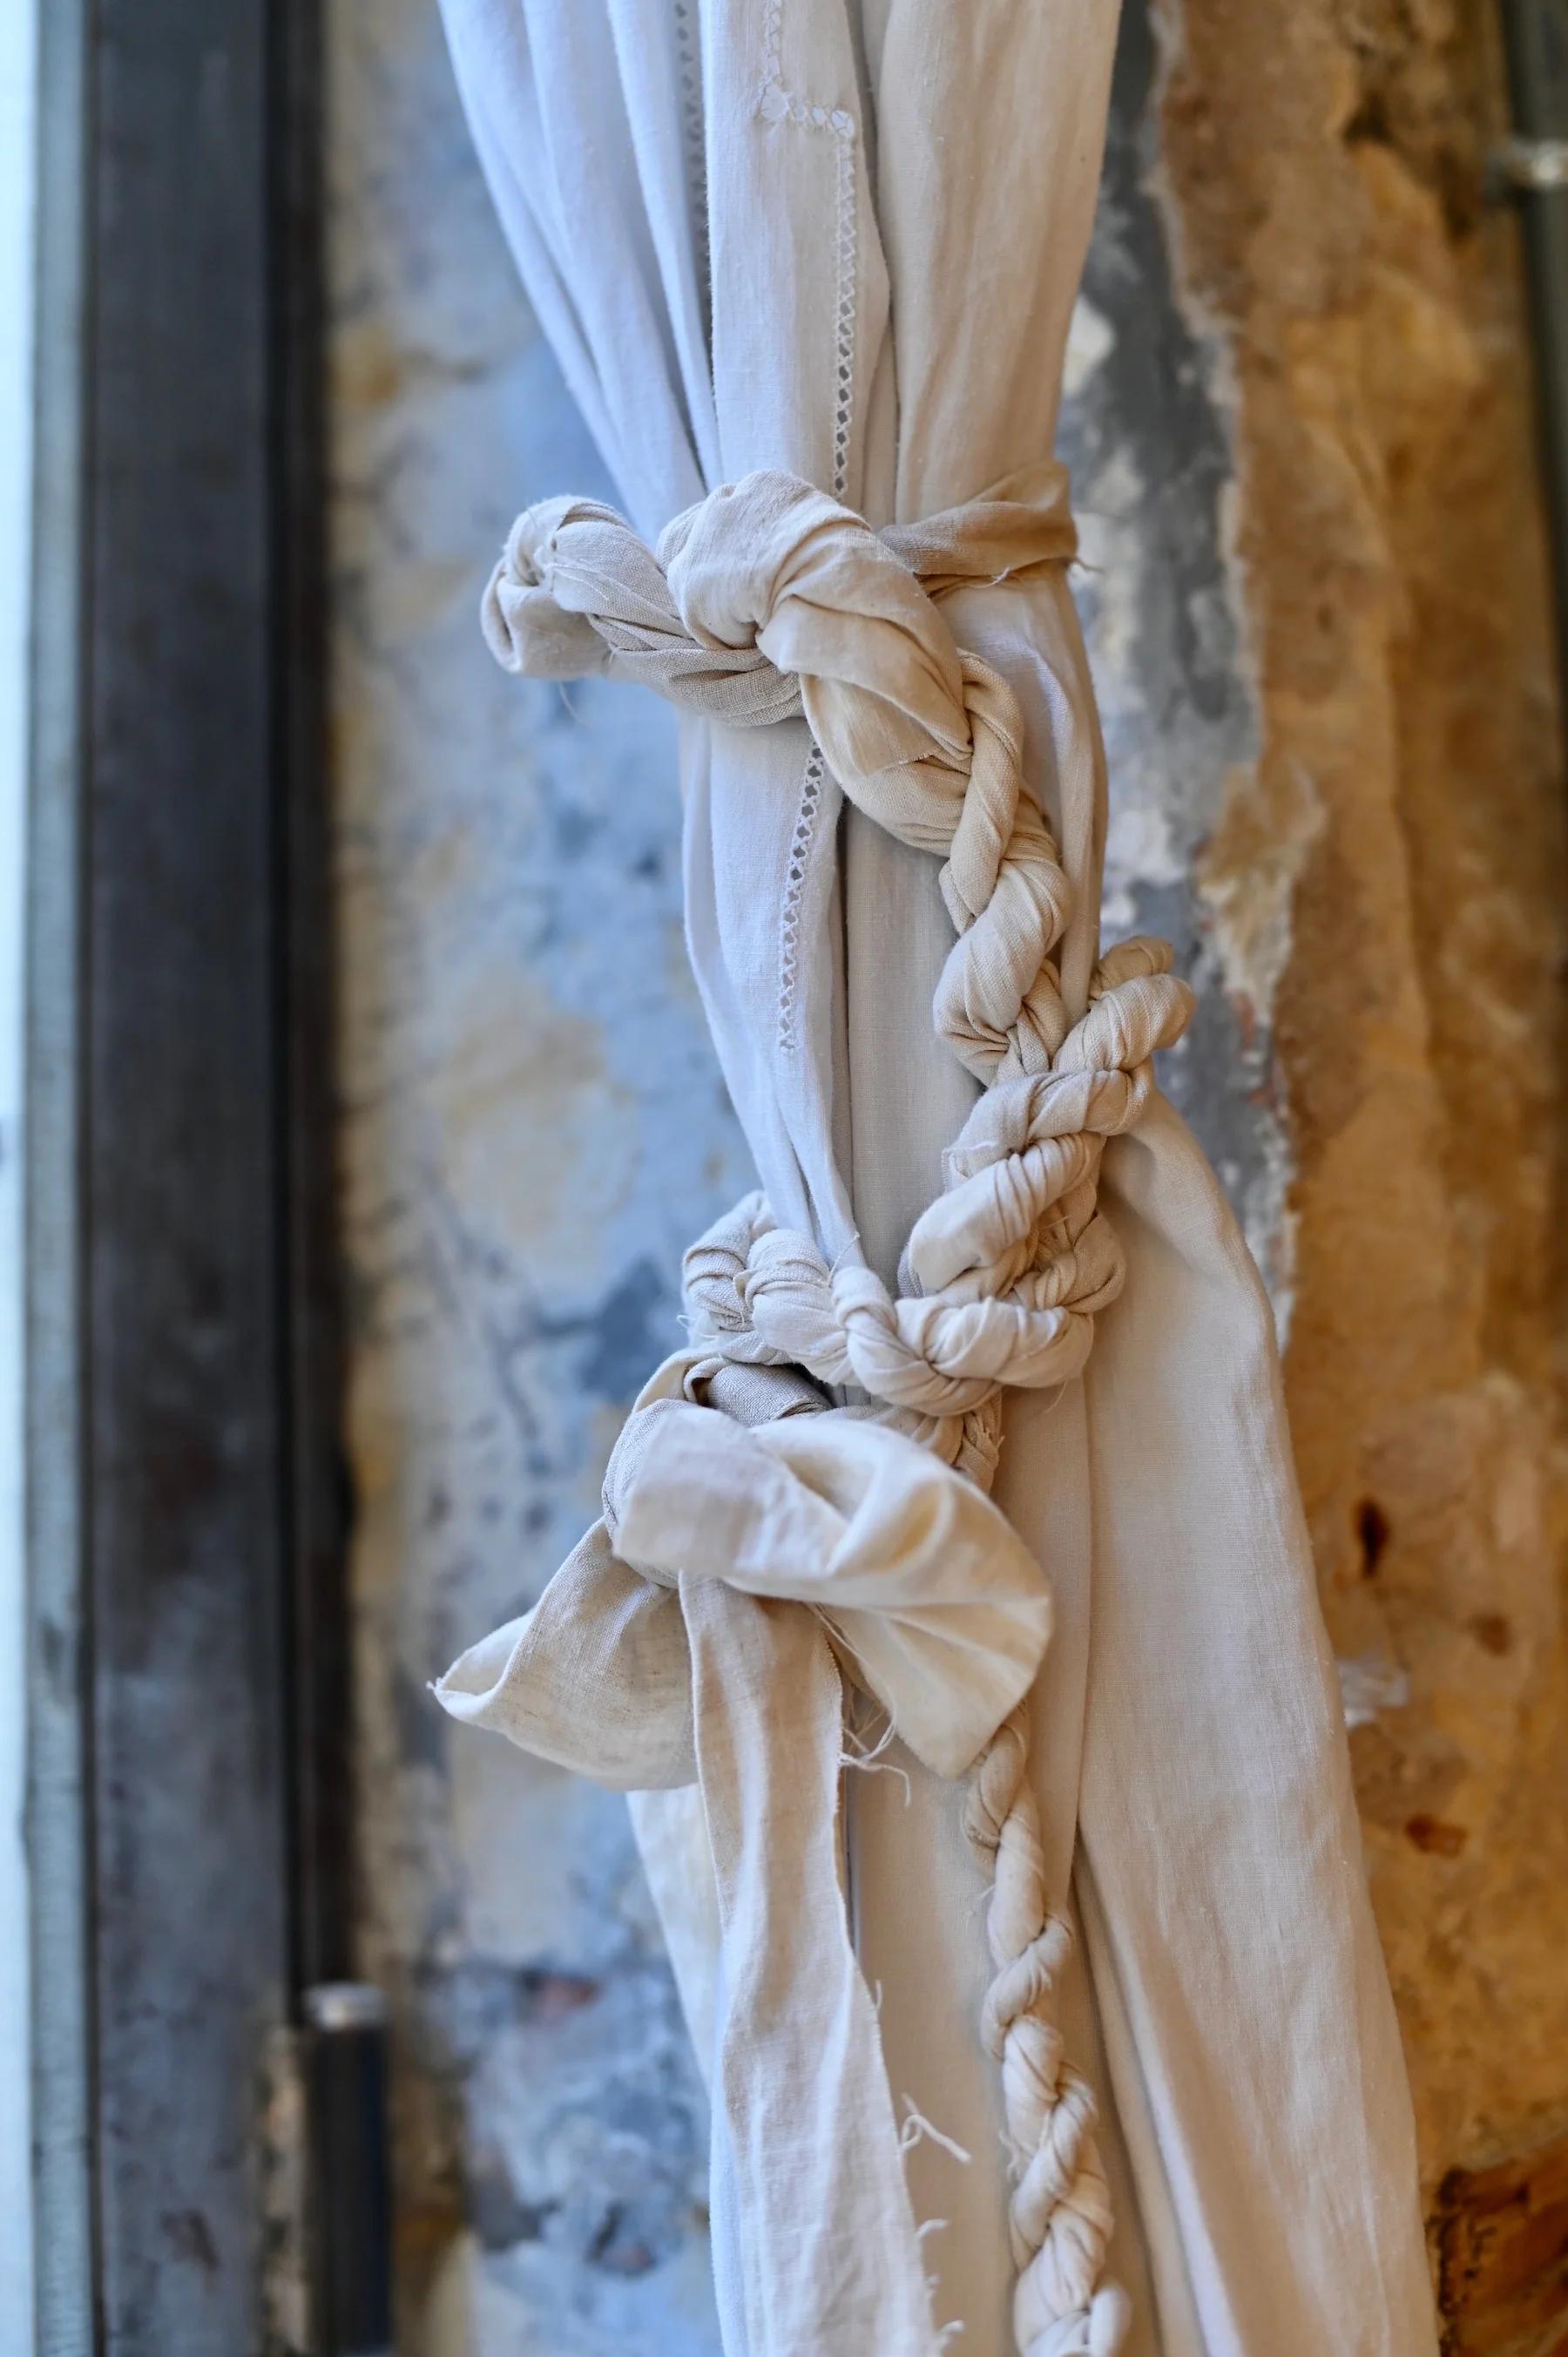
(838, 241)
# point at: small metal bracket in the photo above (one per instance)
(1523, 167)
(1531, 171)
(349, 2179)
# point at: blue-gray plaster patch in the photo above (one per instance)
(535, 1127)
(1146, 432)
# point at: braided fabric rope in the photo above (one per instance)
(766, 600)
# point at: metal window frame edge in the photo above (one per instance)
(58, 1776)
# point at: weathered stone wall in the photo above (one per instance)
(1399, 833)
(1297, 420)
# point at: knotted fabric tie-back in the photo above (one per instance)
(696, 1635)
(767, 600)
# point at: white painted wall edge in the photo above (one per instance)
(18, 152)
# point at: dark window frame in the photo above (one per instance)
(189, 1803)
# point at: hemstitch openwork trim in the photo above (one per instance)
(777, 103)
(795, 875)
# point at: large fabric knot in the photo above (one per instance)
(769, 599)
(698, 1634)
(934, 1606)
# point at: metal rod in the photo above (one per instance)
(60, 1764)
(1533, 165)
(347, 2186)
(347, 2181)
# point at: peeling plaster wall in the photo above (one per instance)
(1146, 431)
(1384, 889)
(533, 1129)
(1314, 596)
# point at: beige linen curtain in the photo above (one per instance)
(842, 238)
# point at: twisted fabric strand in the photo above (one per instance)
(767, 600)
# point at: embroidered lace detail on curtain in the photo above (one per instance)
(695, 151)
(842, 126)
(778, 104)
(770, 598)
(800, 843)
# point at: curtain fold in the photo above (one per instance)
(843, 238)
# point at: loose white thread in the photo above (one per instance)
(873, 1762)
(918, 2129)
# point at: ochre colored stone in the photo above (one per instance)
(1502, 2238)
(1323, 169)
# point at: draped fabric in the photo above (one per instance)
(658, 1656)
(843, 238)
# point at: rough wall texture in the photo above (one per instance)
(532, 1128)
(1386, 885)
(1315, 596)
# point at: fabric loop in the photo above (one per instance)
(942, 1614)
(768, 598)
